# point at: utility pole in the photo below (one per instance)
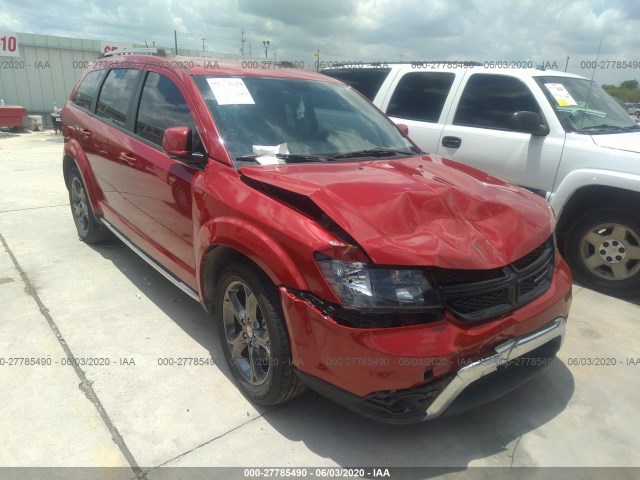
(317, 54)
(202, 43)
(249, 50)
(266, 48)
(175, 37)
(275, 52)
(401, 57)
(242, 40)
(566, 65)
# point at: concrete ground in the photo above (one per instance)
(60, 297)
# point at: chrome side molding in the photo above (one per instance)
(166, 274)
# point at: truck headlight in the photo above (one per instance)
(362, 286)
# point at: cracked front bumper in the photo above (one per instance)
(513, 363)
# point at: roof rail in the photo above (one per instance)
(127, 51)
(349, 64)
(468, 62)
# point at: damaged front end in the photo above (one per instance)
(436, 279)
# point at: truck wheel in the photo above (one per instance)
(254, 336)
(603, 251)
(89, 229)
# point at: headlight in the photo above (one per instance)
(362, 286)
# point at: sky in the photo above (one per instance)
(526, 31)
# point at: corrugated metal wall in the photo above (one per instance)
(45, 72)
(48, 68)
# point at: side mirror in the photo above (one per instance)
(528, 122)
(404, 130)
(176, 142)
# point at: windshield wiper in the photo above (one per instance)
(287, 157)
(607, 126)
(293, 158)
(374, 152)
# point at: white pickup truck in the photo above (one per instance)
(554, 133)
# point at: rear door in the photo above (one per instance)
(421, 100)
(156, 188)
(106, 132)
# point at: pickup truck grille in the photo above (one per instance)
(480, 294)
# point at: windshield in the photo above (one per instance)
(584, 107)
(279, 120)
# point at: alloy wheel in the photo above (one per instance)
(79, 206)
(246, 333)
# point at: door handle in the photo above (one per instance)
(451, 142)
(128, 158)
(85, 132)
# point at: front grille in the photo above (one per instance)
(468, 304)
(481, 294)
(527, 260)
(456, 277)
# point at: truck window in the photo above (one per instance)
(161, 106)
(420, 96)
(488, 101)
(365, 80)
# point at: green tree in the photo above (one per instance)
(628, 91)
(630, 84)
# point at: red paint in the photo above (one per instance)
(421, 211)
(330, 351)
(12, 115)
(418, 211)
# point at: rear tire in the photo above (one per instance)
(253, 335)
(90, 230)
(602, 248)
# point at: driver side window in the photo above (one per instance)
(161, 106)
(489, 101)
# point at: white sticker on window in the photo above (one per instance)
(560, 93)
(230, 91)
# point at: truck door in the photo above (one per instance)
(478, 132)
(421, 101)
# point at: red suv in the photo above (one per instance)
(331, 252)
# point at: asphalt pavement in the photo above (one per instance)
(124, 404)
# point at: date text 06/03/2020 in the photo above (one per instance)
(324, 472)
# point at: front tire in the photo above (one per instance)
(254, 336)
(89, 229)
(603, 250)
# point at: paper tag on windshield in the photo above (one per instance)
(230, 91)
(560, 93)
(268, 153)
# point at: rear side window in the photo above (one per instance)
(489, 101)
(420, 96)
(87, 90)
(161, 106)
(115, 96)
(365, 80)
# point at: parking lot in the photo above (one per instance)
(125, 405)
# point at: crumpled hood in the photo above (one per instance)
(419, 210)
(629, 142)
